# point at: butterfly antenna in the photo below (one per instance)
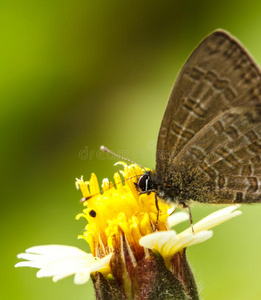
(89, 197)
(103, 148)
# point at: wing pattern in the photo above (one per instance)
(211, 130)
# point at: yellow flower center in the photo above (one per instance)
(120, 210)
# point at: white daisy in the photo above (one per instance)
(120, 230)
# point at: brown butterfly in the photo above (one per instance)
(209, 143)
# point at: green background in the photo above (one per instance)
(79, 74)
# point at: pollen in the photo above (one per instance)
(119, 211)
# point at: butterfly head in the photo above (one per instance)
(147, 182)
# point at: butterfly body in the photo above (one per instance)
(209, 143)
(181, 188)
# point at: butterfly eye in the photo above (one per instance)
(145, 182)
(92, 213)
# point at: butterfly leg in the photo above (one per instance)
(190, 219)
(157, 206)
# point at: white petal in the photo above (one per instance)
(55, 250)
(172, 209)
(82, 277)
(31, 264)
(157, 239)
(168, 243)
(40, 256)
(216, 218)
(220, 212)
(200, 237)
(180, 243)
(61, 261)
(101, 263)
(66, 266)
(177, 218)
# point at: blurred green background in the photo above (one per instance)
(79, 74)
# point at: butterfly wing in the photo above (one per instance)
(218, 75)
(223, 159)
(213, 112)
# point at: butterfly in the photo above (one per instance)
(209, 142)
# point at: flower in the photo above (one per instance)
(128, 258)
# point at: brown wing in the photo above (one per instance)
(219, 75)
(224, 158)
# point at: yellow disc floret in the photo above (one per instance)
(119, 210)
